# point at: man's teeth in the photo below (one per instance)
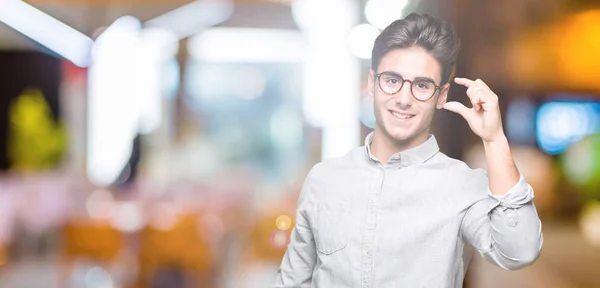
(401, 116)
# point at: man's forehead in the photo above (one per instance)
(410, 63)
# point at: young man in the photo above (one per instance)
(397, 212)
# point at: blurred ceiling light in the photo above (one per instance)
(329, 99)
(160, 42)
(125, 93)
(361, 40)
(155, 46)
(113, 115)
(321, 17)
(120, 30)
(46, 30)
(381, 13)
(194, 17)
(247, 45)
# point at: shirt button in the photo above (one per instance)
(512, 222)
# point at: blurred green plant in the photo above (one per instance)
(581, 166)
(35, 140)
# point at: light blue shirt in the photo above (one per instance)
(414, 222)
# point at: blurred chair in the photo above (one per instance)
(90, 240)
(266, 243)
(175, 255)
(270, 235)
(95, 240)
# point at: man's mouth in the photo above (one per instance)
(402, 115)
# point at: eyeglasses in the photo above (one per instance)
(391, 83)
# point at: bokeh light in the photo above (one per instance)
(589, 223)
(361, 40)
(283, 222)
(381, 13)
(100, 204)
(581, 165)
(128, 217)
(280, 239)
(560, 124)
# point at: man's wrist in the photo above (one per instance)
(499, 141)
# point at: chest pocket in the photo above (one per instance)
(332, 227)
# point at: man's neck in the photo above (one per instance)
(383, 146)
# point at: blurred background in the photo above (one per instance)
(149, 143)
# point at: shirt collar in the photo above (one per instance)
(416, 155)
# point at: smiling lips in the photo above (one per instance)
(401, 116)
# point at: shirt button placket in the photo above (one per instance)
(369, 236)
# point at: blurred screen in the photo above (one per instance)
(560, 123)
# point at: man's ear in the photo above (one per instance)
(371, 83)
(443, 96)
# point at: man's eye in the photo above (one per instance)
(423, 85)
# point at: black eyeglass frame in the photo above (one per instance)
(378, 77)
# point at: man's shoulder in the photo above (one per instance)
(349, 158)
(334, 166)
(458, 166)
(472, 181)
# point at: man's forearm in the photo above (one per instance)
(502, 171)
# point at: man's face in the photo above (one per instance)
(401, 117)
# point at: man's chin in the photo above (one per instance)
(401, 136)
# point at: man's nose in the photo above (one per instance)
(404, 96)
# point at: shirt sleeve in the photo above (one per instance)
(299, 261)
(505, 229)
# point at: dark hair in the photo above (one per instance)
(436, 36)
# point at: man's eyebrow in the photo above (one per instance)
(425, 78)
(391, 73)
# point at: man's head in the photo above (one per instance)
(412, 62)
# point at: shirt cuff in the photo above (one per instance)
(518, 196)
